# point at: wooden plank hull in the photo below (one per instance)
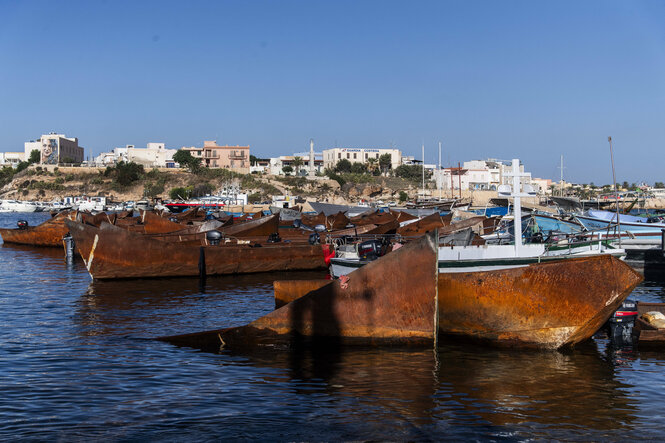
(372, 307)
(546, 305)
(110, 252)
(48, 233)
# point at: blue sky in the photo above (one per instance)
(502, 79)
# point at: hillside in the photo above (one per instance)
(53, 183)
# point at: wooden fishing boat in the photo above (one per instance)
(400, 298)
(110, 252)
(48, 233)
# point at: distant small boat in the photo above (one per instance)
(636, 229)
(17, 206)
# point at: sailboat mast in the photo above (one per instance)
(423, 171)
(616, 195)
(439, 177)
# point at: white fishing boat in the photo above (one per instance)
(17, 206)
(487, 257)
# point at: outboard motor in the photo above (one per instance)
(214, 237)
(314, 238)
(22, 224)
(274, 238)
(370, 250)
(319, 228)
(622, 322)
(297, 223)
(68, 241)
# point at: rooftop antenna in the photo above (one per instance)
(616, 195)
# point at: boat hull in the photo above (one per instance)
(546, 305)
(49, 233)
(110, 252)
(380, 304)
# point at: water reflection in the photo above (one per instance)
(152, 307)
(503, 391)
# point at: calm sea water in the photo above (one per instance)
(77, 363)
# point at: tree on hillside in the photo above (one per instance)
(287, 170)
(252, 160)
(385, 162)
(35, 156)
(373, 166)
(659, 185)
(126, 174)
(343, 166)
(297, 163)
(358, 168)
(187, 160)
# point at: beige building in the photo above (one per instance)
(55, 149)
(228, 157)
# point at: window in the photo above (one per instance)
(347, 155)
(354, 155)
(339, 156)
(365, 156)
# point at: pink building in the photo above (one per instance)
(228, 157)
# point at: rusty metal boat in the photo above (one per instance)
(371, 308)
(401, 296)
(110, 252)
(547, 305)
(48, 233)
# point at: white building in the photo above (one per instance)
(11, 158)
(360, 155)
(277, 163)
(478, 175)
(55, 148)
(154, 155)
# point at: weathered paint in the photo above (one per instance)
(288, 290)
(546, 305)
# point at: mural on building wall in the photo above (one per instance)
(50, 152)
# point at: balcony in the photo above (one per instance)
(210, 154)
(237, 155)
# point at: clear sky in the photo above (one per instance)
(501, 79)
